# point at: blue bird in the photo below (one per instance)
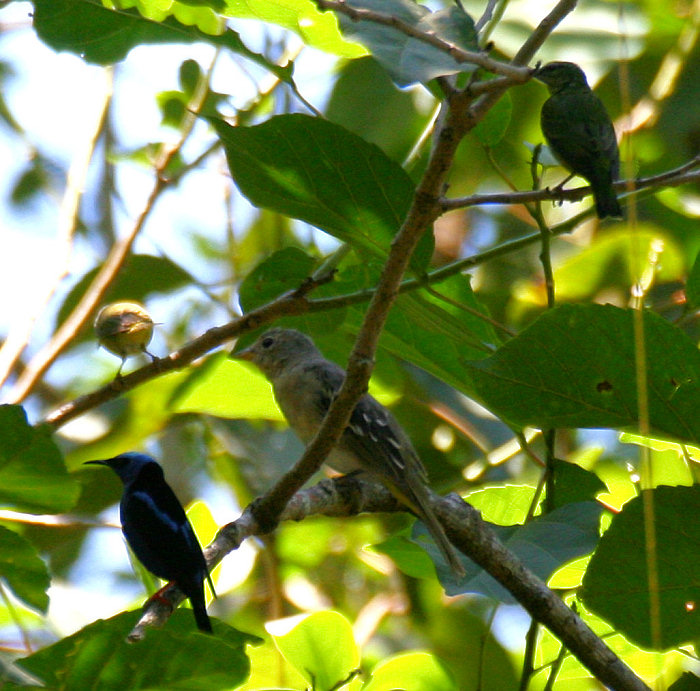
(157, 530)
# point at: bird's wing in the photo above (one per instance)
(579, 131)
(157, 530)
(372, 434)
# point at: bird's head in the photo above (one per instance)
(127, 465)
(560, 75)
(277, 349)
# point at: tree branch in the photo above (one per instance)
(514, 73)
(348, 496)
(297, 302)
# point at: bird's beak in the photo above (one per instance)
(245, 354)
(95, 463)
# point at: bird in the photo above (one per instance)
(580, 133)
(157, 530)
(124, 329)
(305, 383)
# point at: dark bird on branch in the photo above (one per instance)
(305, 384)
(157, 530)
(580, 133)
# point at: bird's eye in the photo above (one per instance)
(267, 342)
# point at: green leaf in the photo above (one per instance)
(318, 172)
(608, 261)
(692, 286)
(504, 505)
(105, 36)
(409, 60)
(688, 682)
(573, 483)
(616, 585)
(33, 477)
(491, 129)
(365, 101)
(440, 330)
(543, 545)
(575, 367)
(316, 28)
(282, 271)
(321, 648)
(175, 657)
(141, 276)
(228, 389)
(22, 569)
(415, 671)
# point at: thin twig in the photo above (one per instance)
(108, 271)
(66, 222)
(671, 178)
(459, 54)
(293, 303)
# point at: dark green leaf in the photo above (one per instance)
(23, 571)
(575, 367)
(105, 36)
(490, 130)
(175, 657)
(365, 101)
(543, 545)
(616, 584)
(141, 275)
(440, 330)
(409, 60)
(190, 74)
(692, 286)
(688, 682)
(33, 477)
(574, 483)
(318, 172)
(282, 271)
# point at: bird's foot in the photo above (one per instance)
(159, 597)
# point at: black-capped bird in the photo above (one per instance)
(157, 530)
(305, 384)
(580, 133)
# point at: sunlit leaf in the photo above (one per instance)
(318, 172)
(321, 648)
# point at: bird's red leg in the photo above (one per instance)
(158, 596)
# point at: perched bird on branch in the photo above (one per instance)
(157, 530)
(579, 132)
(124, 329)
(305, 384)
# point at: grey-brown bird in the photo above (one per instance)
(580, 133)
(305, 384)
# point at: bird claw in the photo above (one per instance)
(159, 597)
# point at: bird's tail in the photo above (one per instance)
(419, 501)
(606, 203)
(199, 608)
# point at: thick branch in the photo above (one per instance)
(349, 496)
